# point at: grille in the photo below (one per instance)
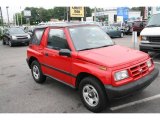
(139, 70)
(154, 39)
(21, 38)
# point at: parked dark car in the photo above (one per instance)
(138, 26)
(113, 31)
(15, 35)
(120, 26)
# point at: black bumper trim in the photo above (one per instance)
(150, 47)
(128, 89)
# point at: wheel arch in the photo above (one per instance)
(31, 59)
(82, 75)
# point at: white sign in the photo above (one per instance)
(27, 13)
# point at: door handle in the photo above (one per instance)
(46, 54)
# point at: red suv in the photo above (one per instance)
(138, 26)
(85, 58)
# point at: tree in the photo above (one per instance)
(89, 12)
(43, 15)
(17, 18)
(59, 13)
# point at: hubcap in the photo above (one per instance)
(90, 95)
(10, 44)
(121, 34)
(36, 72)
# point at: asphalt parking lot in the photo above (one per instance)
(20, 94)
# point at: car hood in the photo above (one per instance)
(151, 31)
(24, 34)
(112, 56)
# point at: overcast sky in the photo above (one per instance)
(15, 5)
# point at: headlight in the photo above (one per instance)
(144, 38)
(14, 37)
(28, 36)
(121, 75)
(149, 63)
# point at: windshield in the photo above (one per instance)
(154, 21)
(89, 37)
(16, 31)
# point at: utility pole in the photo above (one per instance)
(17, 19)
(67, 14)
(1, 17)
(95, 14)
(84, 19)
(14, 17)
(8, 15)
(21, 16)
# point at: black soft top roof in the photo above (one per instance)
(69, 24)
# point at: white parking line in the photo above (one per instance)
(135, 102)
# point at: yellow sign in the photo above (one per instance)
(76, 11)
(119, 18)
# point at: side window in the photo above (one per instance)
(37, 36)
(57, 40)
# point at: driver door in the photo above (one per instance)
(56, 66)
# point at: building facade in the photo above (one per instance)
(110, 16)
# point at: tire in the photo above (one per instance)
(26, 44)
(100, 98)
(122, 35)
(37, 72)
(127, 33)
(3, 42)
(10, 43)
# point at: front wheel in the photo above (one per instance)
(10, 43)
(37, 72)
(3, 42)
(92, 94)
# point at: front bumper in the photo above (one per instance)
(25, 41)
(128, 89)
(150, 47)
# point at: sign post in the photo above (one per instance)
(134, 39)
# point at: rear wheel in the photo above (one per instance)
(37, 72)
(92, 94)
(122, 35)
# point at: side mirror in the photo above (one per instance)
(65, 52)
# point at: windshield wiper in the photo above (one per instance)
(156, 25)
(104, 46)
(96, 47)
(86, 49)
